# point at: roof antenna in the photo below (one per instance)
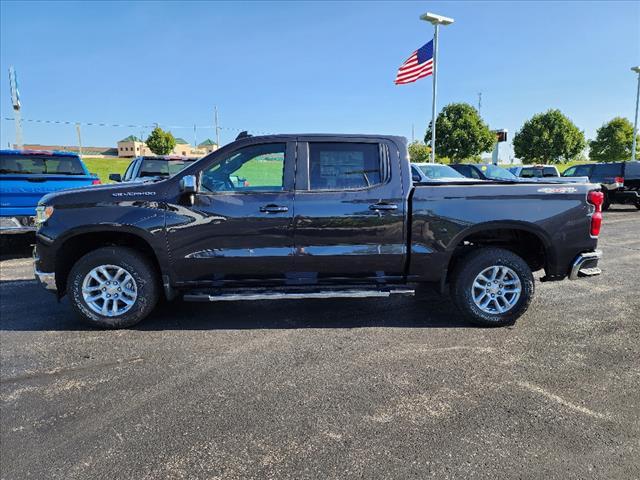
(243, 134)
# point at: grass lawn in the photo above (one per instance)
(262, 173)
(104, 166)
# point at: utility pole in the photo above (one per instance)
(215, 120)
(79, 139)
(413, 132)
(479, 102)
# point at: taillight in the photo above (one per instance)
(619, 180)
(96, 182)
(596, 198)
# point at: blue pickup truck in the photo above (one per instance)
(27, 175)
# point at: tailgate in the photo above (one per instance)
(26, 190)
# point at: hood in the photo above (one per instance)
(113, 192)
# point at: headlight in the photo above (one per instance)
(43, 213)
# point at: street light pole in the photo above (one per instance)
(436, 21)
(635, 122)
(435, 90)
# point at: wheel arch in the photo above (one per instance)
(78, 242)
(527, 240)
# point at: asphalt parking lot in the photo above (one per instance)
(397, 388)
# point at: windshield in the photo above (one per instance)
(40, 164)
(494, 172)
(158, 167)
(439, 171)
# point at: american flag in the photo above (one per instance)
(418, 65)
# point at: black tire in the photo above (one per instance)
(144, 274)
(606, 202)
(471, 266)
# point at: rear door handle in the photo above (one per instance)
(274, 209)
(383, 206)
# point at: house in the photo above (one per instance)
(132, 146)
(208, 146)
(182, 148)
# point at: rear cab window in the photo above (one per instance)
(41, 165)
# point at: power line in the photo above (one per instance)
(149, 126)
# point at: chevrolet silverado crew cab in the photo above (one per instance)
(316, 216)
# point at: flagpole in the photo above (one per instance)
(435, 89)
(436, 20)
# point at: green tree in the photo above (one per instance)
(160, 142)
(613, 141)
(419, 152)
(461, 133)
(548, 137)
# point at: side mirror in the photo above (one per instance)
(116, 177)
(188, 188)
(188, 184)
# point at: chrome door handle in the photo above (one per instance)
(383, 206)
(274, 209)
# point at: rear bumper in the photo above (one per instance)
(17, 224)
(585, 265)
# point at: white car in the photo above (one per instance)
(436, 172)
(544, 173)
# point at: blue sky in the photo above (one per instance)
(308, 67)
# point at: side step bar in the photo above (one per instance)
(234, 295)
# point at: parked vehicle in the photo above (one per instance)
(484, 172)
(620, 180)
(544, 173)
(435, 172)
(319, 216)
(27, 175)
(152, 168)
(534, 171)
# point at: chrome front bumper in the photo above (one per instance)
(585, 265)
(9, 225)
(47, 280)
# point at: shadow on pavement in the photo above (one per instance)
(25, 306)
(16, 246)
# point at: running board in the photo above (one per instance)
(234, 295)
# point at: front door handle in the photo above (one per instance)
(274, 209)
(383, 206)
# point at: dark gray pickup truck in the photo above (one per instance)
(315, 216)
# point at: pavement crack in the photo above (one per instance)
(558, 399)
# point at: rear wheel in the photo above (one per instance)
(113, 287)
(606, 202)
(492, 287)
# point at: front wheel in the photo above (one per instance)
(492, 287)
(113, 287)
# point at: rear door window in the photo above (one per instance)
(344, 166)
(632, 170)
(549, 172)
(607, 170)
